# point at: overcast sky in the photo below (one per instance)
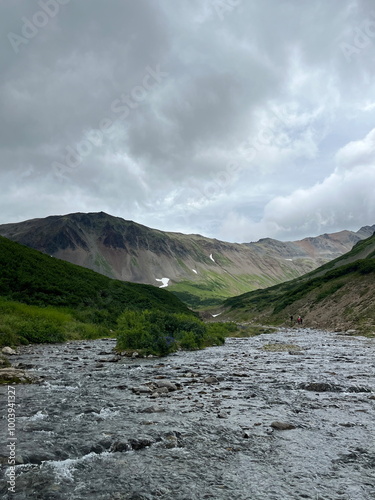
(236, 119)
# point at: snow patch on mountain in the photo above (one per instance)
(165, 282)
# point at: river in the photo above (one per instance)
(281, 416)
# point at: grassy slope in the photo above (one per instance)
(338, 294)
(212, 287)
(43, 298)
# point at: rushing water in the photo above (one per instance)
(95, 429)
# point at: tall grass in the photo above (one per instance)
(22, 323)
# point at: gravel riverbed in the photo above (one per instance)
(287, 415)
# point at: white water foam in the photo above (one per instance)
(45, 433)
(108, 413)
(56, 387)
(64, 469)
(105, 413)
(37, 416)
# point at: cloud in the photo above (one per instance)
(255, 104)
(356, 153)
(343, 200)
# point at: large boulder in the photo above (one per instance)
(8, 350)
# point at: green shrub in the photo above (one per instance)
(217, 332)
(147, 331)
(158, 332)
(41, 330)
(188, 341)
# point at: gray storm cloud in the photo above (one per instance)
(237, 119)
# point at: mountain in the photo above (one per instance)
(338, 295)
(47, 299)
(201, 271)
(31, 277)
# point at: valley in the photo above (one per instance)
(200, 271)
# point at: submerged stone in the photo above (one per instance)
(282, 426)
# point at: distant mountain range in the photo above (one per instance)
(199, 270)
(339, 295)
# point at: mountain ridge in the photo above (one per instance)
(338, 295)
(201, 271)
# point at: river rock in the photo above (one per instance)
(211, 380)
(320, 387)
(153, 409)
(162, 390)
(38, 457)
(113, 359)
(165, 384)
(282, 426)
(23, 366)
(222, 414)
(120, 446)
(132, 444)
(142, 389)
(8, 350)
(171, 441)
(141, 442)
(4, 362)
(12, 375)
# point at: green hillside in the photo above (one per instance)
(46, 299)
(339, 293)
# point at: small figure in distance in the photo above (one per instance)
(299, 320)
(291, 320)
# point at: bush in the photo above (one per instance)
(188, 341)
(217, 332)
(41, 330)
(160, 333)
